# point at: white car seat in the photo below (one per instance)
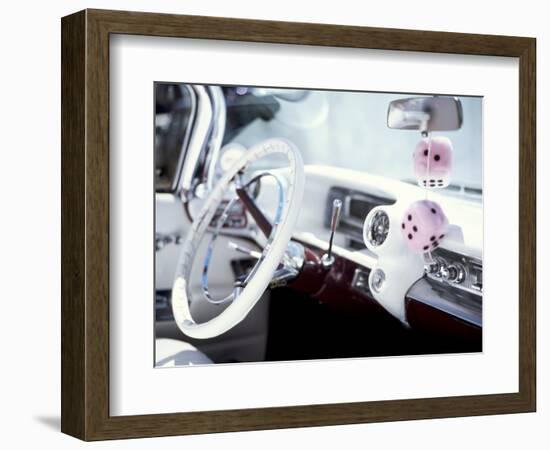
(172, 352)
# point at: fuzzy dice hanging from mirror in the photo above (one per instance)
(433, 160)
(423, 226)
(424, 223)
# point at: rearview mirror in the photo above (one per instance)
(425, 114)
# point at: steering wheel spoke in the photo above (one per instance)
(259, 217)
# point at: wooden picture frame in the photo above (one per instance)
(85, 224)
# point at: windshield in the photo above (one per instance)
(349, 130)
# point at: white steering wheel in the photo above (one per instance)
(249, 291)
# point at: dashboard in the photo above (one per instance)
(456, 270)
(449, 290)
(452, 284)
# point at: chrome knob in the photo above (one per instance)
(449, 272)
(456, 273)
(378, 279)
(444, 272)
(452, 273)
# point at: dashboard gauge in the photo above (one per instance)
(376, 228)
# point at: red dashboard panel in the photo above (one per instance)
(434, 321)
(335, 286)
(339, 287)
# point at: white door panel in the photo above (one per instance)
(170, 220)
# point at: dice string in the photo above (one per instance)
(428, 254)
(425, 239)
(429, 162)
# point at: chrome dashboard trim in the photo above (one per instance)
(458, 303)
(473, 270)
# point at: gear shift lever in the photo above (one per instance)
(327, 260)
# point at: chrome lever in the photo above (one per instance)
(246, 251)
(327, 259)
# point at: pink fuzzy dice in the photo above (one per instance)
(423, 226)
(433, 171)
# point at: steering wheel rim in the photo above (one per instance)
(272, 253)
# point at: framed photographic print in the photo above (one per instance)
(270, 224)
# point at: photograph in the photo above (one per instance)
(297, 224)
(273, 222)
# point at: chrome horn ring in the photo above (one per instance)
(221, 221)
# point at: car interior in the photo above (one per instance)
(279, 218)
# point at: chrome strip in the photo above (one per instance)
(201, 128)
(208, 257)
(218, 132)
(187, 137)
(472, 267)
(461, 304)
